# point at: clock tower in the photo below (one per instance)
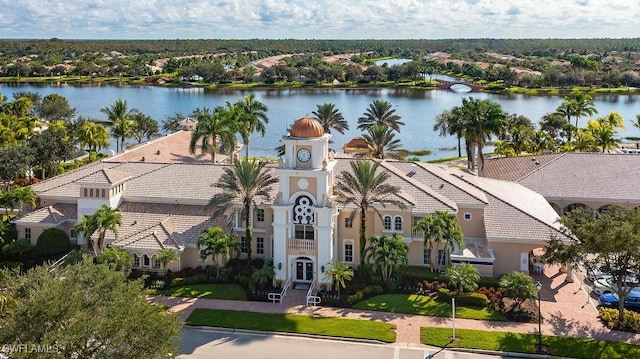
(304, 215)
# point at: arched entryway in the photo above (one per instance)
(304, 270)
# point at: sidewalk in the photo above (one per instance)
(565, 311)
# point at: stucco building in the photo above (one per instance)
(164, 203)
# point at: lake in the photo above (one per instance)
(418, 108)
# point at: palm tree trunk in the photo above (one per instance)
(362, 230)
(248, 229)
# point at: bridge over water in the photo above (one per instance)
(446, 85)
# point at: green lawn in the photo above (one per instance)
(423, 305)
(526, 343)
(291, 323)
(210, 291)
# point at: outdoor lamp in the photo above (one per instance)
(279, 266)
(539, 287)
(322, 269)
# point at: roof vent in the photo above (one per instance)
(533, 159)
(157, 152)
(142, 159)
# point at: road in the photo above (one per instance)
(212, 343)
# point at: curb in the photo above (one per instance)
(508, 354)
(300, 335)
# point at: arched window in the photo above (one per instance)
(136, 261)
(386, 221)
(303, 212)
(397, 223)
(156, 262)
(574, 206)
(146, 262)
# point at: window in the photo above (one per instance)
(103, 194)
(241, 219)
(72, 233)
(467, 216)
(348, 252)
(145, 261)
(156, 262)
(442, 258)
(386, 221)
(426, 256)
(260, 245)
(260, 215)
(348, 222)
(27, 233)
(304, 232)
(86, 194)
(244, 245)
(397, 223)
(91, 192)
(136, 260)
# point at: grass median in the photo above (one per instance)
(526, 343)
(292, 323)
(423, 305)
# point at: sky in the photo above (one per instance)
(318, 19)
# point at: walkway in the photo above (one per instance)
(565, 309)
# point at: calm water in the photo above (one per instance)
(416, 107)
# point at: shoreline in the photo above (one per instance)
(260, 86)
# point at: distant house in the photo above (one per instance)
(164, 204)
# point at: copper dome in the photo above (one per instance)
(306, 128)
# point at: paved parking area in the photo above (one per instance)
(567, 310)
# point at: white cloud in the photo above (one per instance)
(318, 19)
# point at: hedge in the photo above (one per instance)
(53, 241)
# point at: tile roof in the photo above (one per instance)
(516, 213)
(172, 148)
(153, 226)
(442, 181)
(106, 176)
(592, 176)
(516, 168)
(53, 214)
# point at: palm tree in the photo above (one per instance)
(211, 128)
(166, 256)
(541, 141)
(388, 254)
(449, 123)
(245, 181)
(94, 136)
(121, 120)
(462, 277)
(518, 286)
(118, 258)
(103, 220)
(365, 188)
(216, 243)
(382, 142)
(483, 118)
(252, 117)
(330, 118)
(440, 227)
(264, 275)
(603, 134)
(24, 195)
(339, 273)
(380, 112)
(7, 200)
(582, 105)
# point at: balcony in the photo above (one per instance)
(301, 246)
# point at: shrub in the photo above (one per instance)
(470, 299)
(177, 282)
(609, 317)
(53, 241)
(372, 290)
(521, 315)
(355, 298)
(10, 264)
(494, 296)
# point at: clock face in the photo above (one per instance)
(304, 155)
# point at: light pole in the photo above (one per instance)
(539, 287)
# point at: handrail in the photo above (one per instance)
(312, 299)
(57, 263)
(278, 297)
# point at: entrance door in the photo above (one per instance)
(304, 270)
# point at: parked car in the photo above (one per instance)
(611, 300)
(594, 274)
(607, 285)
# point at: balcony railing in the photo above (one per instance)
(301, 245)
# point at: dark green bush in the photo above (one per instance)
(355, 298)
(53, 241)
(470, 299)
(372, 290)
(10, 264)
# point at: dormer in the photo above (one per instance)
(306, 145)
